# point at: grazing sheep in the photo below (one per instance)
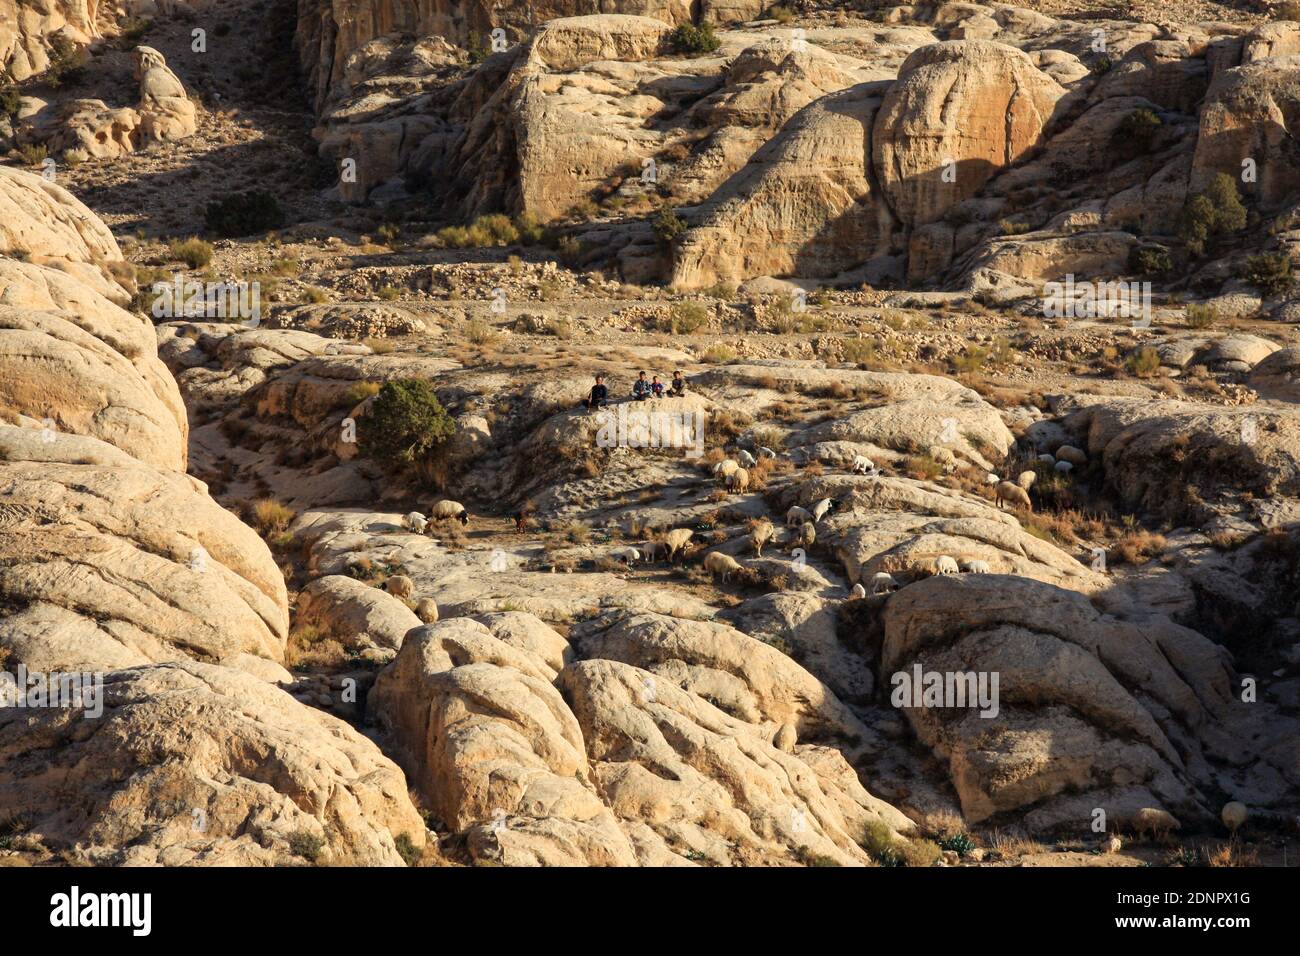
(746, 459)
(626, 555)
(1064, 467)
(1156, 822)
(1075, 456)
(765, 452)
(991, 478)
(945, 457)
(400, 586)
(1234, 814)
(883, 581)
(739, 481)
(725, 468)
(676, 540)
(448, 510)
(944, 564)
(1010, 491)
(1112, 844)
(975, 567)
(807, 535)
(820, 508)
(761, 534)
(415, 522)
(858, 592)
(796, 516)
(1026, 479)
(650, 549)
(862, 465)
(1047, 459)
(715, 562)
(427, 611)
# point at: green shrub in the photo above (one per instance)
(668, 226)
(718, 354)
(407, 849)
(10, 102)
(65, 62)
(406, 424)
(781, 14)
(1150, 261)
(194, 252)
(685, 318)
(477, 49)
(306, 844)
(959, 843)
(33, 154)
(243, 214)
(1201, 315)
(1143, 362)
(1270, 272)
(689, 38)
(1135, 134)
(1214, 212)
(1012, 227)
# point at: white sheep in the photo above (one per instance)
(725, 468)
(626, 555)
(975, 567)
(991, 478)
(1010, 491)
(650, 549)
(862, 465)
(883, 581)
(796, 516)
(1075, 456)
(676, 540)
(944, 564)
(858, 592)
(820, 508)
(1026, 479)
(1063, 467)
(761, 534)
(447, 510)
(400, 586)
(807, 535)
(715, 562)
(765, 452)
(1155, 821)
(738, 482)
(944, 457)
(746, 459)
(415, 522)
(1234, 814)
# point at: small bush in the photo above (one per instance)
(1135, 134)
(689, 38)
(243, 214)
(10, 102)
(390, 233)
(718, 354)
(685, 318)
(1012, 227)
(314, 295)
(1270, 272)
(1200, 315)
(270, 516)
(358, 392)
(33, 154)
(388, 293)
(306, 844)
(1214, 212)
(194, 252)
(971, 360)
(407, 849)
(668, 226)
(1150, 261)
(406, 425)
(1143, 363)
(1287, 10)
(781, 14)
(478, 332)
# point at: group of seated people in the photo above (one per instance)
(642, 389)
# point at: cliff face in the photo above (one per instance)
(330, 30)
(27, 27)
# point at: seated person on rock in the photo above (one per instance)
(657, 387)
(598, 397)
(678, 385)
(641, 388)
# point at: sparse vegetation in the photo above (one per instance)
(1270, 272)
(243, 214)
(1215, 212)
(1143, 362)
(194, 252)
(692, 40)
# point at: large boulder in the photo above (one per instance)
(194, 764)
(958, 113)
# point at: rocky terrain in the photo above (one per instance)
(988, 333)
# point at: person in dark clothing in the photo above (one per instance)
(678, 387)
(598, 397)
(641, 388)
(657, 387)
